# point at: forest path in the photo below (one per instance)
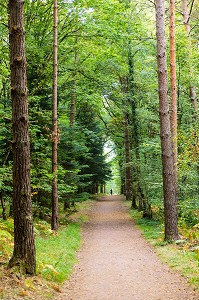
(116, 263)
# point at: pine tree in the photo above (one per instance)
(24, 247)
(170, 200)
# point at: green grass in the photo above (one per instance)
(56, 253)
(179, 257)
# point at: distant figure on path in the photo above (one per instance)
(111, 192)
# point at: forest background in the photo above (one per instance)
(103, 45)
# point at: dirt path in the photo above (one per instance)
(116, 263)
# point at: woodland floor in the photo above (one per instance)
(116, 263)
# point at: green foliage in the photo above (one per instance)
(189, 212)
(6, 239)
(188, 176)
(6, 178)
(82, 197)
(7, 225)
(153, 230)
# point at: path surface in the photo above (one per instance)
(116, 263)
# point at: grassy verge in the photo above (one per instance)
(182, 256)
(56, 253)
(56, 256)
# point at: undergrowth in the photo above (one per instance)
(183, 255)
(6, 239)
(55, 254)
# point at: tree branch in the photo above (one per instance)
(192, 3)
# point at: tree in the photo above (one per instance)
(74, 86)
(105, 36)
(192, 89)
(94, 170)
(24, 247)
(127, 142)
(173, 83)
(170, 200)
(54, 224)
(128, 169)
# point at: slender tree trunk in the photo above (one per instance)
(170, 201)
(101, 188)
(74, 88)
(127, 144)
(127, 158)
(54, 224)
(173, 82)
(4, 216)
(192, 89)
(139, 191)
(24, 247)
(122, 177)
(72, 106)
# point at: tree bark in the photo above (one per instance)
(24, 247)
(170, 200)
(173, 83)
(54, 223)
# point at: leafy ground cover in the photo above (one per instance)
(183, 255)
(55, 256)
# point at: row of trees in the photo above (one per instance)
(106, 90)
(82, 166)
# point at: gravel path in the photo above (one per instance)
(116, 263)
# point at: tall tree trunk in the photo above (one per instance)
(173, 82)
(101, 188)
(74, 87)
(127, 143)
(54, 224)
(127, 158)
(139, 191)
(170, 200)
(192, 89)
(24, 247)
(72, 105)
(122, 177)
